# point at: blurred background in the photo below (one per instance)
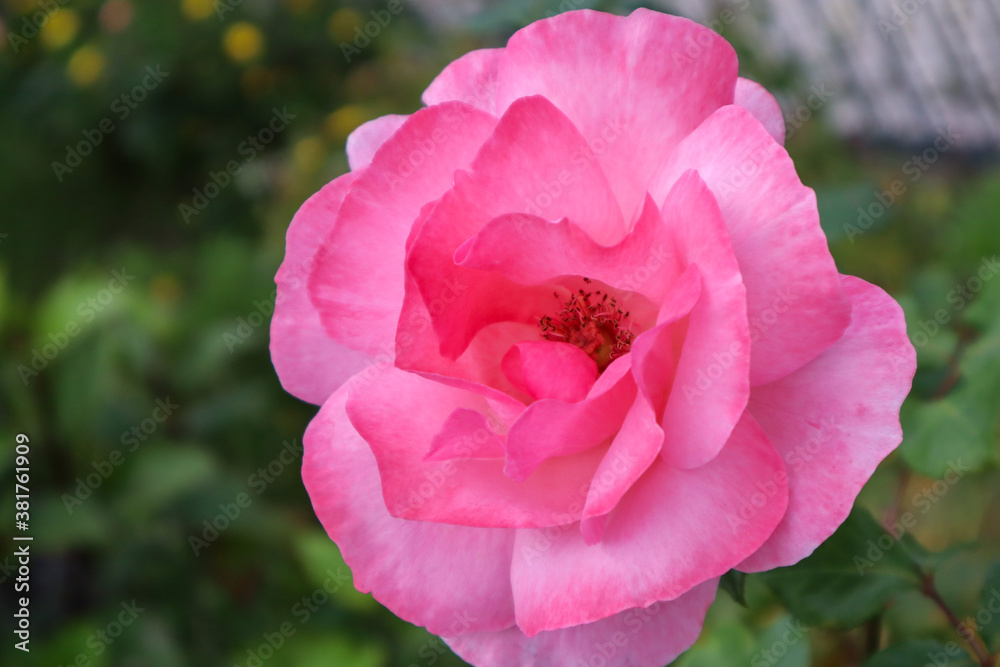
(169, 519)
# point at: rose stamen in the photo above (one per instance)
(593, 322)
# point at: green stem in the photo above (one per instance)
(978, 648)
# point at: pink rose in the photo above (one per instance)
(599, 353)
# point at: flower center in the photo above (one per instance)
(593, 322)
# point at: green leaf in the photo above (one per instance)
(960, 428)
(159, 473)
(784, 644)
(921, 652)
(322, 561)
(734, 582)
(957, 429)
(849, 578)
(983, 310)
(726, 644)
(988, 616)
(310, 650)
(841, 210)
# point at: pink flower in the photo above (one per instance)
(599, 353)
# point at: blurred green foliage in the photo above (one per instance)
(129, 502)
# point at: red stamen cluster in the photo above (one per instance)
(594, 323)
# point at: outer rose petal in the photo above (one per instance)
(357, 284)
(657, 78)
(401, 415)
(368, 137)
(309, 363)
(649, 637)
(833, 421)
(429, 574)
(663, 538)
(795, 301)
(754, 98)
(471, 79)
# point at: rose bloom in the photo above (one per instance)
(581, 347)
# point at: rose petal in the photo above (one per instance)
(551, 428)
(654, 361)
(402, 414)
(698, 419)
(658, 77)
(453, 441)
(754, 98)
(662, 539)
(655, 353)
(471, 79)
(357, 284)
(633, 450)
(368, 137)
(833, 421)
(550, 369)
(635, 638)
(309, 363)
(531, 250)
(795, 303)
(447, 578)
(508, 174)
